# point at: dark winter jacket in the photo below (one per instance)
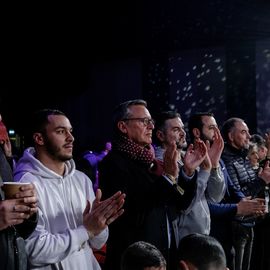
(241, 172)
(151, 202)
(13, 255)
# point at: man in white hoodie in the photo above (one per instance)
(72, 220)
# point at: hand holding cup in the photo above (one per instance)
(12, 188)
(24, 193)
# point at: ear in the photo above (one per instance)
(122, 127)
(184, 266)
(160, 135)
(38, 138)
(196, 132)
(230, 136)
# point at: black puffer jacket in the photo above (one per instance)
(13, 255)
(241, 173)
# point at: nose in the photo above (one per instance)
(70, 136)
(151, 125)
(182, 132)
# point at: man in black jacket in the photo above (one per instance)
(154, 197)
(245, 179)
(18, 218)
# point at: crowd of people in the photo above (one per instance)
(156, 200)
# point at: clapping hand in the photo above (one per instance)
(102, 213)
(194, 156)
(170, 159)
(215, 150)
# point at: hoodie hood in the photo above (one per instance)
(29, 164)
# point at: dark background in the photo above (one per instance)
(184, 55)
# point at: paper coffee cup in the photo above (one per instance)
(11, 188)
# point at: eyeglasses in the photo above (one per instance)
(146, 121)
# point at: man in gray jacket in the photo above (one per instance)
(210, 180)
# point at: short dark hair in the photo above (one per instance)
(195, 121)
(202, 250)
(122, 111)
(140, 255)
(40, 119)
(160, 120)
(37, 123)
(228, 126)
(162, 117)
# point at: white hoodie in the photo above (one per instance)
(60, 241)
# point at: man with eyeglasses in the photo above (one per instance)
(153, 198)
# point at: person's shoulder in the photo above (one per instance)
(81, 174)
(114, 156)
(227, 155)
(116, 160)
(25, 177)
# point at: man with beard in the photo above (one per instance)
(236, 136)
(153, 194)
(203, 125)
(210, 182)
(72, 219)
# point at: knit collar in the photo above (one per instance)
(239, 152)
(134, 151)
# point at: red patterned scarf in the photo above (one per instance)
(145, 155)
(134, 151)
